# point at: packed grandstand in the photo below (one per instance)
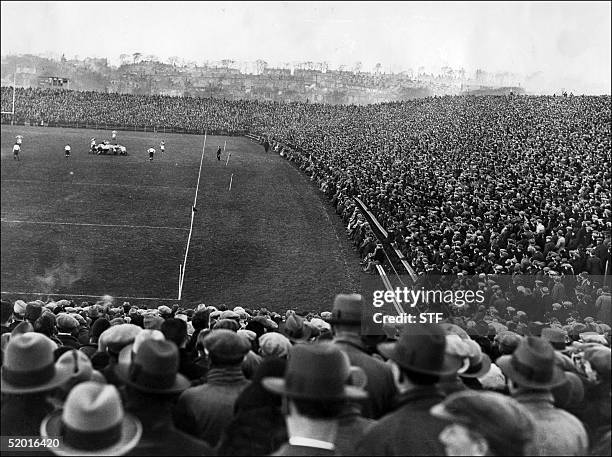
(508, 195)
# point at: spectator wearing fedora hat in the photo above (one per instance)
(204, 411)
(419, 359)
(92, 422)
(152, 385)
(346, 321)
(533, 373)
(29, 375)
(484, 423)
(317, 384)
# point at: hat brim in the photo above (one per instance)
(122, 370)
(504, 363)
(484, 368)
(61, 376)
(131, 431)
(279, 387)
(449, 366)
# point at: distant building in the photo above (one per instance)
(53, 82)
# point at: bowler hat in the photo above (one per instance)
(28, 365)
(532, 364)
(422, 348)
(152, 367)
(92, 422)
(318, 372)
(347, 309)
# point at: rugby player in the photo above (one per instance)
(67, 151)
(162, 146)
(92, 146)
(16, 150)
(18, 140)
(151, 152)
(114, 136)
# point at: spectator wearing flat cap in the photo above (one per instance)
(258, 426)
(67, 328)
(92, 422)
(175, 330)
(484, 423)
(533, 373)
(419, 359)
(204, 411)
(110, 343)
(29, 376)
(99, 326)
(152, 385)
(317, 385)
(346, 325)
(19, 309)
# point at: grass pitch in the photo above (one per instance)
(92, 225)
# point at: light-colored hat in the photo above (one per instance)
(29, 366)
(91, 407)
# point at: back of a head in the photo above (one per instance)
(175, 330)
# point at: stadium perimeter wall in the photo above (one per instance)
(121, 127)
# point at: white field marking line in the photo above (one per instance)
(195, 199)
(231, 179)
(138, 186)
(76, 295)
(7, 221)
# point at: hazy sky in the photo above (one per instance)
(568, 43)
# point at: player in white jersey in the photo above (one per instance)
(114, 136)
(162, 146)
(92, 146)
(18, 139)
(151, 152)
(16, 150)
(67, 151)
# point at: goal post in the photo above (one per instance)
(12, 112)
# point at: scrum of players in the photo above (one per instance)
(103, 148)
(106, 148)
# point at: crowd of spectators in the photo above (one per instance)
(509, 196)
(114, 379)
(464, 184)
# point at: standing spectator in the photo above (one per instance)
(484, 423)
(29, 375)
(346, 322)
(92, 422)
(533, 372)
(175, 330)
(418, 359)
(152, 386)
(204, 411)
(315, 388)
(603, 305)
